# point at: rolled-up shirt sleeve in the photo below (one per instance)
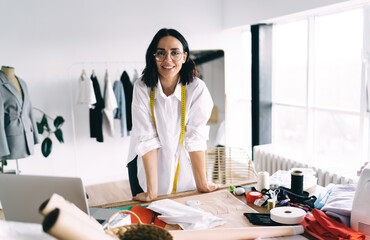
(200, 109)
(143, 126)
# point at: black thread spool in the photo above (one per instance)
(297, 182)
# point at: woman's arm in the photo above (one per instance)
(150, 161)
(199, 169)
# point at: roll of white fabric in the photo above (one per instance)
(287, 215)
(263, 181)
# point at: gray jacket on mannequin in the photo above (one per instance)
(18, 132)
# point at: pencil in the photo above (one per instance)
(153, 217)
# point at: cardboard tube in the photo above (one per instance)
(237, 233)
(64, 226)
(57, 201)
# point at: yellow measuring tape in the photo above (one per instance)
(152, 93)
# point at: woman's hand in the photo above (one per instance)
(150, 161)
(209, 187)
(199, 170)
(144, 197)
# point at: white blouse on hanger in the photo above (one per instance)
(110, 104)
(86, 93)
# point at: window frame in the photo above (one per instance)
(363, 114)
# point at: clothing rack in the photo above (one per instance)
(115, 69)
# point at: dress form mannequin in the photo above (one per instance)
(9, 72)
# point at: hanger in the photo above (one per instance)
(106, 73)
(83, 74)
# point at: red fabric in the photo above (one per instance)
(145, 216)
(323, 227)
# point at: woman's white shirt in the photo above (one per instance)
(167, 111)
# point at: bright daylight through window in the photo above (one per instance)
(319, 89)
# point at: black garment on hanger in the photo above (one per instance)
(128, 88)
(96, 113)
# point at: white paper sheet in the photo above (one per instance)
(22, 231)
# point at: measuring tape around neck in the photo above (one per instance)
(152, 93)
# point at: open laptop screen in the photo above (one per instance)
(22, 195)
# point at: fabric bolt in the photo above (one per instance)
(86, 93)
(167, 111)
(188, 218)
(18, 132)
(346, 220)
(96, 114)
(110, 104)
(321, 226)
(128, 88)
(120, 111)
(339, 202)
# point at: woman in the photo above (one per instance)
(161, 144)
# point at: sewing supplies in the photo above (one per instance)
(239, 191)
(305, 207)
(261, 219)
(231, 188)
(193, 203)
(263, 181)
(270, 204)
(284, 202)
(287, 215)
(261, 201)
(297, 182)
(153, 217)
(252, 196)
(273, 198)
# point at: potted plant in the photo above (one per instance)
(44, 127)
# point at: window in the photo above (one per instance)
(319, 92)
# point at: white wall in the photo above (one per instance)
(49, 42)
(241, 12)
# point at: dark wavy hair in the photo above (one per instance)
(150, 72)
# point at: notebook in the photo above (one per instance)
(22, 195)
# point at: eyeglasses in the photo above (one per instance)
(175, 55)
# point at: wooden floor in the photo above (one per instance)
(108, 193)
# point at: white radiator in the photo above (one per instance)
(269, 158)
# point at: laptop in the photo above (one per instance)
(22, 195)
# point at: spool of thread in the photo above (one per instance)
(263, 181)
(239, 191)
(287, 215)
(270, 204)
(252, 196)
(297, 182)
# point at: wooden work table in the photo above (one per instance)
(242, 198)
(184, 194)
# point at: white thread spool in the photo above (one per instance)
(263, 181)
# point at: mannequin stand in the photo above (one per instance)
(2, 165)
